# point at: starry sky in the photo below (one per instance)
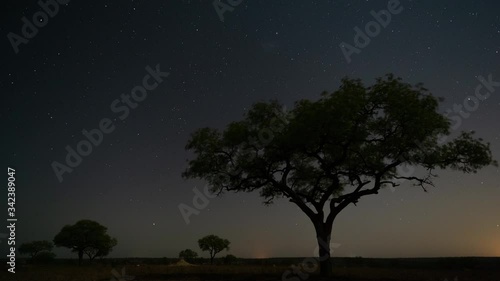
(65, 78)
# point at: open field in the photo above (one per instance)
(487, 269)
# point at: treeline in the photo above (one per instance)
(85, 238)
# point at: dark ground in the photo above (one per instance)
(345, 269)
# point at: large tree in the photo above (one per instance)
(214, 245)
(86, 237)
(324, 155)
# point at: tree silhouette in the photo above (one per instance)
(86, 237)
(34, 248)
(325, 155)
(188, 255)
(102, 247)
(213, 244)
(230, 259)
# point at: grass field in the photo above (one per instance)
(155, 272)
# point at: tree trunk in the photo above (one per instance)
(211, 259)
(80, 257)
(323, 234)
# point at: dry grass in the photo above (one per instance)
(235, 272)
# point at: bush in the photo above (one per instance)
(230, 259)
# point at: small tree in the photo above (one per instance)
(188, 255)
(33, 249)
(327, 154)
(213, 244)
(86, 237)
(230, 259)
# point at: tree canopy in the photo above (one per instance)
(324, 155)
(86, 237)
(213, 244)
(34, 248)
(188, 255)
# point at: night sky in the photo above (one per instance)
(67, 76)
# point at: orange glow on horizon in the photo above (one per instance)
(261, 256)
(496, 247)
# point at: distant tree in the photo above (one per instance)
(86, 237)
(230, 259)
(213, 244)
(35, 248)
(325, 155)
(188, 255)
(44, 257)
